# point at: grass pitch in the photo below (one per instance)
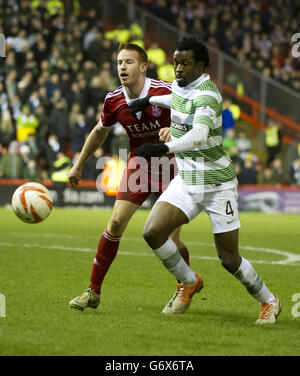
(43, 266)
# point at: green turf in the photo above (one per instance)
(43, 266)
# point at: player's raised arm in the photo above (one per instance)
(94, 140)
(160, 100)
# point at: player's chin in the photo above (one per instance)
(181, 82)
(125, 80)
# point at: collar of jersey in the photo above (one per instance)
(143, 94)
(195, 83)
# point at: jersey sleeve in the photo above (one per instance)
(207, 109)
(162, 100)
(107, 118)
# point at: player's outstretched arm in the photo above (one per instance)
(94, 140)
(192, 139)
(160, 100)
(139, 105)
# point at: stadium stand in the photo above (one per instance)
(257, 33)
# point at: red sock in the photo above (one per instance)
(107, 250)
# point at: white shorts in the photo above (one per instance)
(221, 206)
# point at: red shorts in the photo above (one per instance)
(141, 180)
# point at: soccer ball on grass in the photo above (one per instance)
(32, 202)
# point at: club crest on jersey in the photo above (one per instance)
(189, 106)
(156, 111)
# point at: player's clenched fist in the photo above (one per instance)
(74, 175)
(164, 135)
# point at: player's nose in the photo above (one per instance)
(179, 67)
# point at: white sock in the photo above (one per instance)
(253, 283)
(173, 261)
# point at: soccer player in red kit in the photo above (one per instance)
(144, 127)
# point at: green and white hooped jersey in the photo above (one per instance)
(207, 166)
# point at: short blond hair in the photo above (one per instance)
(134, 47)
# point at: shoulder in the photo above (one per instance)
(113, 100)
(208, 92)
(209, 86)
(159, 87)
(114, 95)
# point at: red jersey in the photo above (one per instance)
(140, 129)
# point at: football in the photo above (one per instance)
(32, 202)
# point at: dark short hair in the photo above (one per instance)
(134, 47)
(197, 46)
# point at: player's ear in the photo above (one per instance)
(201, 66)
(143, 67)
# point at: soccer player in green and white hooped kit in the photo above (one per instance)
(206, 181)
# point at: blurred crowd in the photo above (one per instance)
(56, 74)
(256, 32)
(279, 168)
(53, 82)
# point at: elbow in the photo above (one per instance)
(201, 135)
(198, 142)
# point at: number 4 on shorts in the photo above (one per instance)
(229, 209)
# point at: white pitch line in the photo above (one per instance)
(291, 258)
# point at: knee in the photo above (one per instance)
(152, 235)
(115, 227)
